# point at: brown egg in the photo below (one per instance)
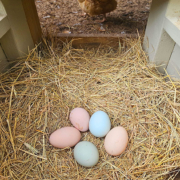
(65, 137)
(79, 117)
(116, 141)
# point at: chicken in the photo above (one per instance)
(97, 7)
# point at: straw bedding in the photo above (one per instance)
(38, 94)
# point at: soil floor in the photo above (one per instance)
(63, 16)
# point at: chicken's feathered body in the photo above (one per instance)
(96, 7)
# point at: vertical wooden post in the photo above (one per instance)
(157, 43)
(3, 61)
(4, 27)
(162, 37)
(32, 20)
(164, 51)
(173, 68)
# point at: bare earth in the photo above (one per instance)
(64, 16)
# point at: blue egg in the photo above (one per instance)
(99, 124)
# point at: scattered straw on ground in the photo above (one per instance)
(38, 94)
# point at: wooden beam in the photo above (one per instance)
(32, 20)
(91, 40)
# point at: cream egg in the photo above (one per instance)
(79, 117)
(116, 141)
(65, 137)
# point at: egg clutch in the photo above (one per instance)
(99, 124)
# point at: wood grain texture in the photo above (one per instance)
(32, 20)
(92, 41)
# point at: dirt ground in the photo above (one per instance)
(63, 16)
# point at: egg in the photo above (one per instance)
(79, 117)
(86, 154)
(116, 141)
(65, 137)
(99, 124)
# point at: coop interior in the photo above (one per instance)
(65, 17)
(97, 66)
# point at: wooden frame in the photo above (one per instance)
(162, 37)
(20, 29)
(32, 20)
(92, 41)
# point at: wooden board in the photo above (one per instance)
(3, 60)
(92, 41)
(173, 68)
(32, 20)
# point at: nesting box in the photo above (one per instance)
(38, 95)
(162, 37)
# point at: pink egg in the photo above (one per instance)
(79, 117)
(65, 137)
(116, 141)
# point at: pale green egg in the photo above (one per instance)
(86, 154)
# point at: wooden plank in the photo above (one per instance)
(172, 30)
(173, 68)
(32, 20)
(96, 35)
(3, 61)
(154, 27)
(163, 51)
(91, 40)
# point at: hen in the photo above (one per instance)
(97, 7)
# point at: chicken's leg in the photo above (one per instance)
(103, 20)
(83, 14)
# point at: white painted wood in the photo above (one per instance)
(4, 25)
(173, 12)
(18, 40)
(2, 10)
(163, 51)
(162, 33)
(154, 27)
(9, 45)
(3, 60)
(19, 28)
(173, 68)
(172, 30)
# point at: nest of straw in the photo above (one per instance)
(39, 92)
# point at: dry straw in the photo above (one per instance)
(38, 94)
